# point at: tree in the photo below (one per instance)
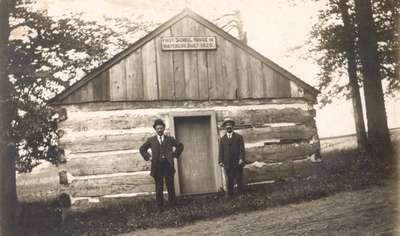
(41, 63)
(327, 44)
(7, 151)
(32, 69)
(350, 54)
(378, 132)
(332, 42)
(51, 54)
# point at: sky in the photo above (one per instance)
(273, 27)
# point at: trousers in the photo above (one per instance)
(237, 177)
(164, 172)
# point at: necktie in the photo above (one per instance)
(160, 138)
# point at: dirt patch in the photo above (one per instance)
(370, 211)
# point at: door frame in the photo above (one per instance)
(214, 145)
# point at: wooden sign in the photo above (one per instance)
(188, 43)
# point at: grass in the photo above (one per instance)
(133, 214)
(340, 170)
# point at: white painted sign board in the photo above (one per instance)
(188, 43)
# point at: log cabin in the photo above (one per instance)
(193, 75)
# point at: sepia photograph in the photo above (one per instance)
(199, 117)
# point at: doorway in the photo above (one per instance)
(197, 167)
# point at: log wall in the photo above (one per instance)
(102, 157)
(101, 145)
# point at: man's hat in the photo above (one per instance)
(228, 120)
(158, 122)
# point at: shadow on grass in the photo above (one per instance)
(339, 171)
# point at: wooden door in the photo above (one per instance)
(196, 164)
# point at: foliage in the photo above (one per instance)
(35, 131)
(327, 45)
(47, 54)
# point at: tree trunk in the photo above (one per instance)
(8, 199)
(378, 132)
(352, 72)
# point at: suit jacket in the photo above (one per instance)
(158, 150)
(231, 151)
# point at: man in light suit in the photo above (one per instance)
(164, 149)
(232, 156)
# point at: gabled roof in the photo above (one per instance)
(186, 12)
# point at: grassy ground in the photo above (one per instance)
(371, 211)
(136, 215)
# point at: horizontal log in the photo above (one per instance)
(279, 152)
(258, 171)
(128, 119)
(259, 117)
(105, 163)
(105, 140)
(122, 119)
(37, 187)
(113, 140)
(111, 106)
(296, 132)
(94, 186)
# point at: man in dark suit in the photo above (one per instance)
(232, 156)
(164, 149)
